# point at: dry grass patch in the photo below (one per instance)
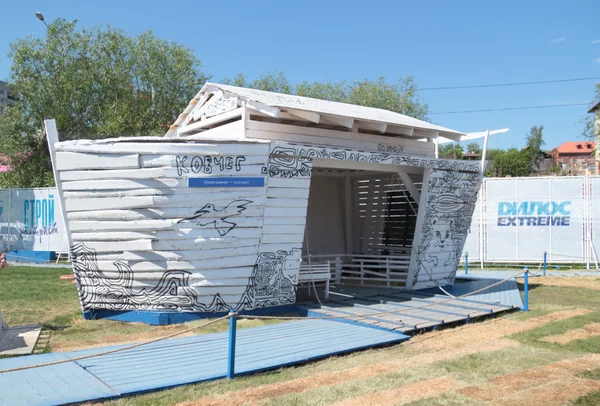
(586, 282)
(504, 385)
(588, 331)
(481, 332)
(554, 392)
(403, 394)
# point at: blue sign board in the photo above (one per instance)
(227, 182)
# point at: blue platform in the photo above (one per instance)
(29, 256)
(180, 361)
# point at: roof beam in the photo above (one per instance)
(304, 115)
(263, 108)
(372, 126)
(395, 129)
(410, 186)
(347, 122)
(200, 125)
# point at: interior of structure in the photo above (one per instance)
(363, 221)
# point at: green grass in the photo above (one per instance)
(37, 295)
(591, 399)
(593, 374)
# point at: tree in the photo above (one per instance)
(401, 97)
(474, 148)
(451, 150)
(95, 83)
(513, 162)
(591, 126)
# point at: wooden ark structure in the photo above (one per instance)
(221, 213)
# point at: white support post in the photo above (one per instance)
(348, 213)
(52, 136)
(362, 272)
(484, 152)
(410, 186)
(387, 271)
(338, 270)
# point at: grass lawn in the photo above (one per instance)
(550, 355)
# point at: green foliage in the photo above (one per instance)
(591, 130)
(474, 147)
(270, 82)
(95, 82)
(401, 97)
(512, 163)
(451, 150)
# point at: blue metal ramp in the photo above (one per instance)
(180, 361)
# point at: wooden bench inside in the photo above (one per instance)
(317, 273)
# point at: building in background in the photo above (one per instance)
(6, 96)
(576, 157)
(595, 110)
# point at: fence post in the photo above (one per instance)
(387, 271)
(231, 356)
(338, 270)
(466, 263)
(525, 290)
(362, 272)
(544, 263)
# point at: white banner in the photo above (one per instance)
(525, 217)
(30, 219)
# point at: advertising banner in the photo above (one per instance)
(595, 216)
(526, 217)
(30, 219)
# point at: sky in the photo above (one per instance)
(439, 43)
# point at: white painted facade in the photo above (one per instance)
(218, 214)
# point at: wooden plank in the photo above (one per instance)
(282, 238)
(119, 184)
(116, 246)
(197, 161)
(287, 221)
(274, 247)
(175, 213)
(148, 173)
(288, 193)
(285, 212)
(72, 205)
(207, 232)
(287, 203)
(113, 236)
(289, 183)
(216, 251)
(66, 161)
(121, 225)
(336, 138)
(165, 147)
(283, 229)
(206, 244)
(212, 263)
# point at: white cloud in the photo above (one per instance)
(597, 60)
(596, 41)
(558, 40)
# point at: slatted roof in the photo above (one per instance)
(305, 109)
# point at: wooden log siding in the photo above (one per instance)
(128, 217)
(142, 231)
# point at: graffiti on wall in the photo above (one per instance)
(208, 163)
(115, 291)
(451, 200)
(220, 218)
(295, 161)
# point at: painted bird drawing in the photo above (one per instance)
(220, 218)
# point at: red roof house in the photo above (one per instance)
(575, 154)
